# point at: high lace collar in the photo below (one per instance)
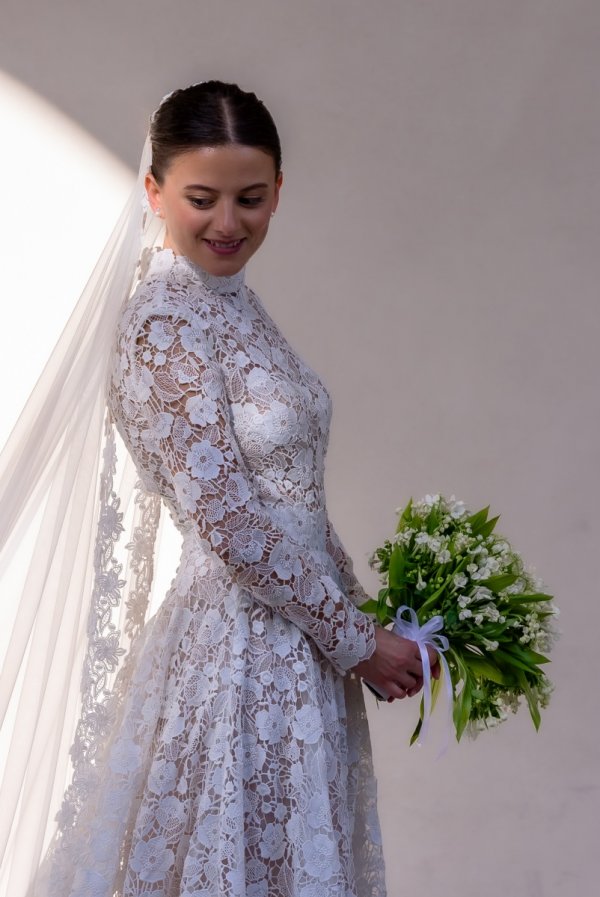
(162, 259)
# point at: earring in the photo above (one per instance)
(272, 214)
(157, 212)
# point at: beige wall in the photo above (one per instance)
(435, 259)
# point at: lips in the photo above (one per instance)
(224, 247)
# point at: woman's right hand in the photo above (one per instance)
(395, 665)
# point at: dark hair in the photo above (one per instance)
(212, 113)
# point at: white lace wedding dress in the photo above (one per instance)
(240, 763)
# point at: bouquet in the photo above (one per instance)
(446, 569)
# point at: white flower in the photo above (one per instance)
(459, 580)
(457, 508)
(246, 545)
(490, 644)
(187, 490)
(171, 815)
(464, 614)
(252, 754)
(307, 724)
(271, 724)
(202, 410)
(204, 460)
(151, 859)
(280, 422)
(162, 777)
(162, 334)
(194, 338)
(272, 843)
(318, 813)
(284, 559)
(321, 857)
(138, 385)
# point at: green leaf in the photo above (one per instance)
(529, 599)
(415, 734)
(369, 607)
(508, 659)
(462, 709)
(419, 725)
(480, 667)
(500, 582)
(478, 520)
(436, 685)
(405, 516)
(527, 654)
(488, 528)
(383, 616)
(396, 569)
(534, 709)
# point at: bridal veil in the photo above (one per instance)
(77, 545)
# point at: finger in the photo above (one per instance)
(396, 690)
(433, 655)
(407, 680)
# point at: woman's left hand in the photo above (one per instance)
(411, 692)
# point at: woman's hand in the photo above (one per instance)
(395, 665)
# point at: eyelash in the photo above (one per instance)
(247, 201)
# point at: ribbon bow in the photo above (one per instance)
(426, 635)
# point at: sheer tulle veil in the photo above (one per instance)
(77, 546)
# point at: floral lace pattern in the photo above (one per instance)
(239, 761)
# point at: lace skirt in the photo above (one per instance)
(238, 762)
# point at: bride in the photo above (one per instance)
(221, 746)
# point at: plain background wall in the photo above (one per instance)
(434, 257)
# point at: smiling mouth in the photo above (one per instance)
(224, 246)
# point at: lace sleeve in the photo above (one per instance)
(343, 562)
(180, 391)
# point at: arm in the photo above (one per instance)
(343, 562)
(178, 389)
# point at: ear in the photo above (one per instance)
(153, 191)
(278, 183)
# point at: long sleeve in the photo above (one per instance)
(177, 387)
(343, 562)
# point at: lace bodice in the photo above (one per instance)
(226, 421)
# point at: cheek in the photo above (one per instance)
(184, 217)
(260, 223)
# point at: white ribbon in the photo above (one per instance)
(426, 635)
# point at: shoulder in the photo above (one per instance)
(162, 302)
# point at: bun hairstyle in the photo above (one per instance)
(212, 113)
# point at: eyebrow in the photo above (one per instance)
(212, 190)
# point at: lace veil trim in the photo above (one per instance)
(77, 549)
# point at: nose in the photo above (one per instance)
(226, 218)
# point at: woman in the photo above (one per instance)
(232, 754)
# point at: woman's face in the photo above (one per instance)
(217, 203)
